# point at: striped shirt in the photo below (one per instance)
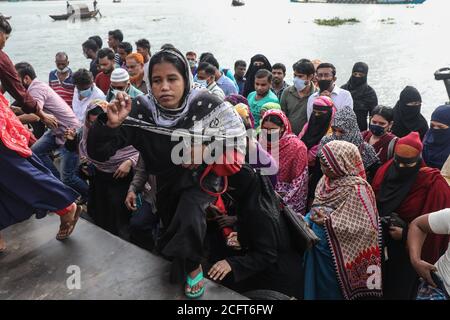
(65, 88)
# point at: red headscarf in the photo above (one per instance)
(12, 132)
(292, 157)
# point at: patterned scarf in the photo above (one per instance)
(293, 165)
(12, 132)
(352, 227)
(345, 119)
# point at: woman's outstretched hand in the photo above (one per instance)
(118, 110)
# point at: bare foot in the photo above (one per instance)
(2, 244)
(196, 288)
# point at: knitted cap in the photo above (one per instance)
(119, 75)
(409, 146)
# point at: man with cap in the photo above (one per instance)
(406, 188)
(120, 82)
(364, 97)
(135, 67)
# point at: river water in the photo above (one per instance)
(406, 52)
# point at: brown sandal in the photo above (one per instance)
(66, 229)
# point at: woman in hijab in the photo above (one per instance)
(292, 157)
(110, 180)
(257, 62)
(364, 97)
(160, 125)
(379, 135)
(436, 145)
(405, 189)
(266, 107)
(256, 155)
(318, 126)
(346, 263)
(345, 127)
(407, 116)
(267, 259)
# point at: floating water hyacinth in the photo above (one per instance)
(336, 21)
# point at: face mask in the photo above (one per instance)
(357, 81)
(325, 84)
(299, 84)
(115, 91)
(192, 63)
(85, 93)
(66, 69)
(440, 136)
(405, 172)
(273, 136)
(202, 83)
(376, 130)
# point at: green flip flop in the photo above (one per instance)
(192, 283)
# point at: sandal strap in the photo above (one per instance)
(192, 282)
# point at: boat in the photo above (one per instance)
(80, 11)
(237, 3)
(117, 1)
(410, 2)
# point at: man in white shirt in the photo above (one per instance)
(437, 223)
(326, 76)
(85, 92)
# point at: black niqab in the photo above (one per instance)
(251, 72)
(408, 118)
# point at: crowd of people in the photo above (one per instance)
(197, 163)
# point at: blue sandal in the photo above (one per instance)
(192, 283)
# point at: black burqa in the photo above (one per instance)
(408, 118)
(251, 72)
(268, 260)
(364, 96)
(398, 274)
(317, 127)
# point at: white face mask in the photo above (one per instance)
(202, 83)
(299, 84)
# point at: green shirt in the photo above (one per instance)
(256, 105)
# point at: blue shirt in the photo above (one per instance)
(226, 85)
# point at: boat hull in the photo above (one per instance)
(83, 16)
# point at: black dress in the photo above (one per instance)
(268, 260)
(180, 201)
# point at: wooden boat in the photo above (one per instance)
(80, 11)
(237, 3)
